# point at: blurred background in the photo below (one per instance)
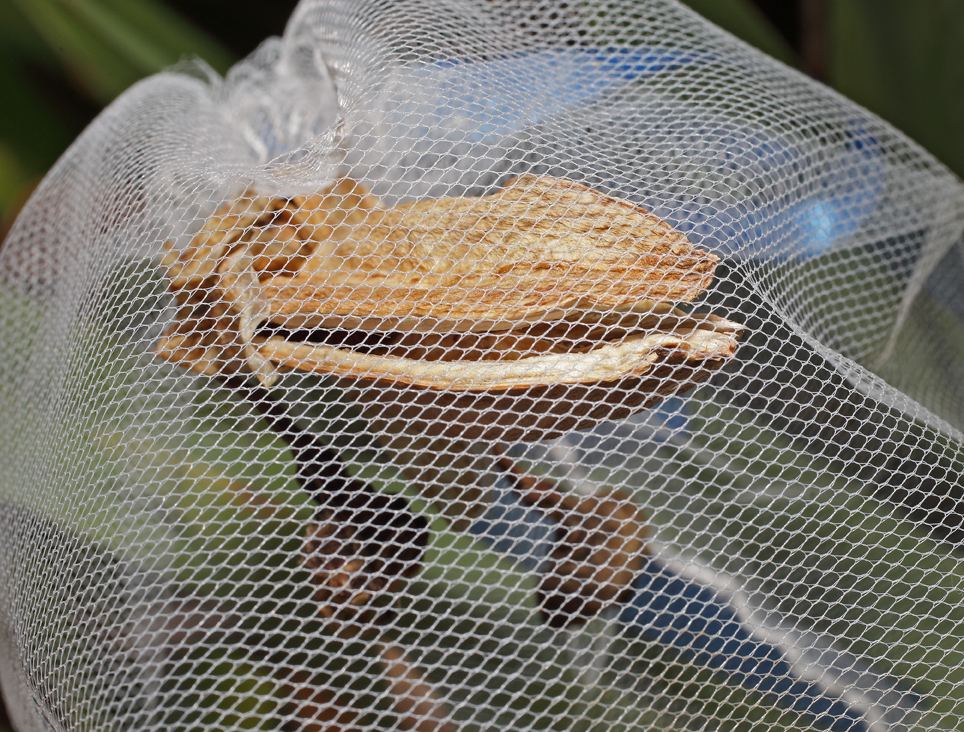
(62, 61)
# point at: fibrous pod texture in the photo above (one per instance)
(541, 308)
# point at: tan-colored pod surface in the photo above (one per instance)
(537, 383)
(542, 308)
(536, 249)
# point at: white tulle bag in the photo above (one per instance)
(485, 365)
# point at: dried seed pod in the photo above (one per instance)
(546, 301)
(597, 552)
(203, 338)
(361, 549)
(194, 268)
(538, 248)
(587, 370)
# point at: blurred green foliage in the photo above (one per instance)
(746, 21)
(62, 60)
(106, 45)
(904, 61)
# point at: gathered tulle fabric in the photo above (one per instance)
(461, 365)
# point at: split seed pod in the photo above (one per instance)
(542, 308)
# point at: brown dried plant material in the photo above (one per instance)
(317, 708)
(362, 547)
(416, 704)
(546, 299)
(597, 552)
(538, 248)
(577, 382)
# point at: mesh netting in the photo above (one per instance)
(468, 366)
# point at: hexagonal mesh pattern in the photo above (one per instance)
(485, 365)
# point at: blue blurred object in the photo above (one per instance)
(503, 95)
(837, 203)
(697, 611)
(671, 415)
(511, 527)
(834, 182)
(793, 668)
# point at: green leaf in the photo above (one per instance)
(746, 22)
(150, 33)
(107, 45)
